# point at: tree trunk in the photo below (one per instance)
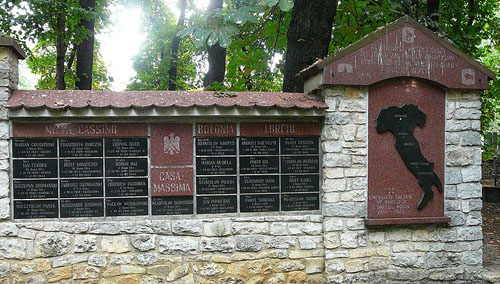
(216, 56)
(308, 38)
(60, 50)
(433, 14)
(471, 13)
(85, 51)
(172, 72)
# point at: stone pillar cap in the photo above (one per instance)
(10, 42)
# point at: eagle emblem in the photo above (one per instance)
(171, 144)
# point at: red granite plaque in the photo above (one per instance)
(397, 170)
(171, 144)
(405, 51)
(172, 182)
(215, 129)
(279, 129)
(26, 130)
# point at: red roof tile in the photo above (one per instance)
(76, 99)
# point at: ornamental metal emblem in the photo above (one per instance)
(171, 144)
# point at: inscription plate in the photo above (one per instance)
(116, 187)
(215, 146)
(31, 209)
(126, 167)
(126, 206)
(216, 204)
(259, 165)
(57, 130)
(40, 168)
(299, 145)
(172, 205)
(298, 165)
(34, 148)
(299, 183)
(34, 189)
(259, 146)
(259, 184)
(82, 208)
(216, 165)
(80, 168)
(276, 129)
(172, 182)
(216, 129)
(74, 188)
(80, 147)
(260, 203)
(216, 185)
(299, 202)
(126, 147)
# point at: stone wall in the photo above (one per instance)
(226, 250)
(9, 78)
(357, 254)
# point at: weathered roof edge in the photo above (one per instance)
(7, 41)
(322, 63)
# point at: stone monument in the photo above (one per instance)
(371, 176)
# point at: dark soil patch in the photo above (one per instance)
(491, 232)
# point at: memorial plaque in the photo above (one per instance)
(299, 164)
(80, 168)
(216, 204)
(259, 202)
(259, 165)
(126, 206)
(126, 167)
(216, 185)
(80, 147)
(75, 188)
(259, 184)
(300, 202)
(117, 187)
(172, 182)
(218, 146)
(400, 191)
(215, 129)
(299, 145)
(57, 130)
(172, 205)
(34, 189)
(39, 168)
(171, 144)
(216, 165)
(32, 209)
(299, 183)
(126, 147)
(277, 129)
(34, 148)
(259, 146)
(82, 208)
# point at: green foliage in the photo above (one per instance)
(152, 63)
(35, 21)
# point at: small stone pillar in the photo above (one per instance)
(10, 53)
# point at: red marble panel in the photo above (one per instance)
(27, 130)
(393, 190)
(172, 182)
(171, 144)
(405, 51)
(279, 129)
(216, 129)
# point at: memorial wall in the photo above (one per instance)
(105, 169)
(370, 176)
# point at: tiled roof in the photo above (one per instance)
(79, 99)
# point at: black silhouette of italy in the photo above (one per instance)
(401, 121)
